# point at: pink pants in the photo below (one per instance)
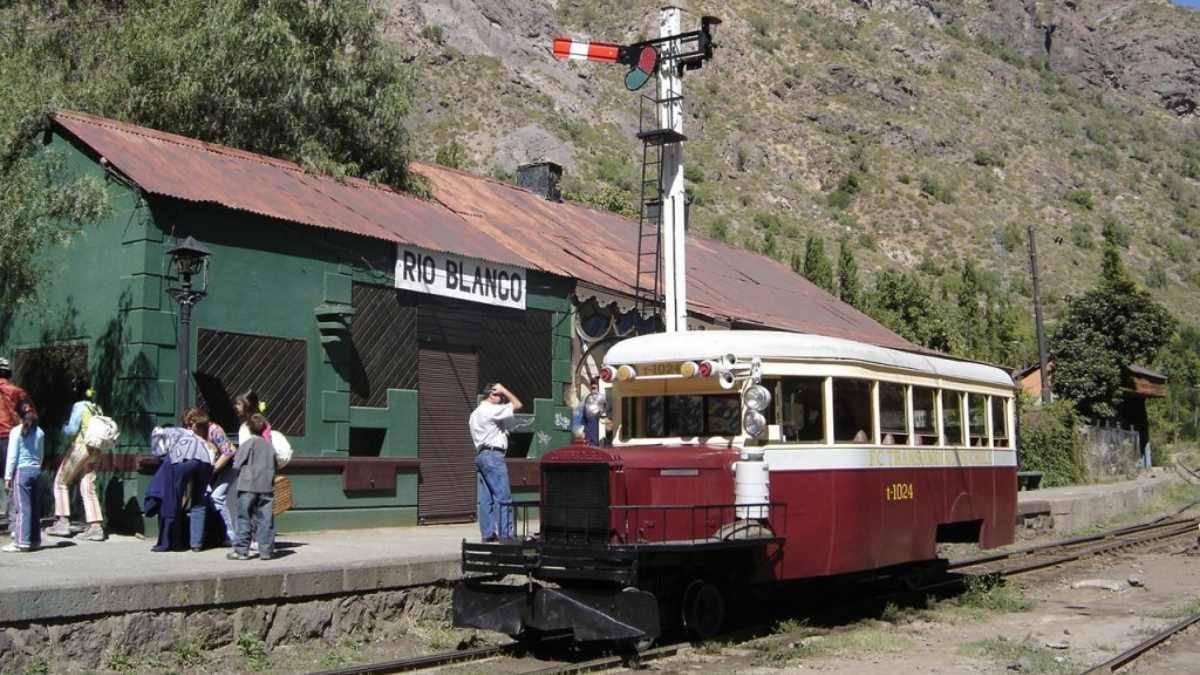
(79, 463)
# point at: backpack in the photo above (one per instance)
(283, 449)
(99, 432)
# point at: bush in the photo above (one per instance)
(1081, 197)
(988, 158)
(933, 188)
(1081, 235)
(1049, 442)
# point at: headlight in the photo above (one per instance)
(594, 404)
(754, 423)
(758, 398)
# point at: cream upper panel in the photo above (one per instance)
(773, 345)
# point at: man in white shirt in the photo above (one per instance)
(489, 432)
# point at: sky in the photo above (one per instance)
(1189, 3)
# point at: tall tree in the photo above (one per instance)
(1103, 331)
(969, 311)
(848, 287)
(903, 302)
(312, 82)
(817, 267)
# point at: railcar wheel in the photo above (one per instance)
(703, 610)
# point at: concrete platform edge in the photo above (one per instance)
(59, 603)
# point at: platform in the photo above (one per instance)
(122, 575)
(77, 579)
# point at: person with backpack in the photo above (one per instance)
(12, 398)
(22, 469)
(79, 464)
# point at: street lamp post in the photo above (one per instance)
(189, 258)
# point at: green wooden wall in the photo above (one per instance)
(266, 277)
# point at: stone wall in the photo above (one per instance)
(87, 643)
(1111, 453)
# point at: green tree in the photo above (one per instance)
(310, 82)
(849, 289)
(969, 315)
(1108, 328)
(1179, 413)
(903, 302)
(817, 267)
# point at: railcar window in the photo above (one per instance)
(802, 410)
(893, 416)
(852, 411)
(952, 420)
(925, 415)
(680, 416)
(977, 419)
(1000, 422)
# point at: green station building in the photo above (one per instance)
(367, 319)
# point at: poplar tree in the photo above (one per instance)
(848, 286)
(968, 309)
(817, 267)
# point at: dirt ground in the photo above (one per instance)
(1037, 623)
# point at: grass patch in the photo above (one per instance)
(795, 640)
(254, 651)
(983, 598)
(1178, 611)
(1035, 660)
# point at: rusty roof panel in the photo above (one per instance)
(478, 217)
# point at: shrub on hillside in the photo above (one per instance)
(1049, 442)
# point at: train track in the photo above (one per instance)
(482, 653)
(1006, 564)
(1133, 653)
(1038, 557)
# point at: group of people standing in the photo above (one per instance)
(199, 467)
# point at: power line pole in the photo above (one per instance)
(1037, 316)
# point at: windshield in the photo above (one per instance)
(681, 416)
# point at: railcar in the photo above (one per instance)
(745, 458)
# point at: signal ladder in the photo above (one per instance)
(656, 130)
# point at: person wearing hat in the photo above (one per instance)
(489, 425)
(11, 399)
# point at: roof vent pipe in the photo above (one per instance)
(542, 178)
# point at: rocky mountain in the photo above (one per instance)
(925, 131)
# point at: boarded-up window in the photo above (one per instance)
(384, 332)
(228, 364)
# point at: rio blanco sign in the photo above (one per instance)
(455, 276)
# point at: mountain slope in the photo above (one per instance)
(926, 131)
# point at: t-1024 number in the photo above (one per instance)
(899, 491)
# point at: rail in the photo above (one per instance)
(648, 524)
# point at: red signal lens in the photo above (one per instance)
(608, 373)
(707, 368)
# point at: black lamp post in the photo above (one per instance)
(189, 258)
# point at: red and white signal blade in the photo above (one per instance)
(566, 48)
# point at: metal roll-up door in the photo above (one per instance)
(448, 382)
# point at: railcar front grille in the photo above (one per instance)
(575, 507)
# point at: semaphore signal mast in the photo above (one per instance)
(662, 221)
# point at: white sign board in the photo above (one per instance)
(455, 276)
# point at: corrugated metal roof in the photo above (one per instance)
(477, 217)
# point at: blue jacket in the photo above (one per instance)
(24, 450)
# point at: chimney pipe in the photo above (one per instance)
(542, 178)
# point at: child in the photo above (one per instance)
(21, 472)
(255, 462)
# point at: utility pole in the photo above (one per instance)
(1037, 317)
(674, 216)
